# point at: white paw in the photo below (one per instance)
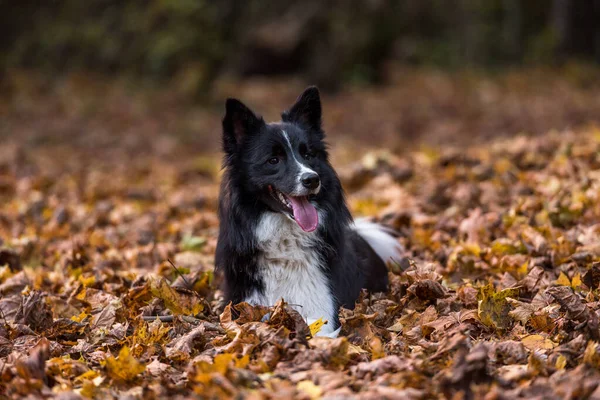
(332, 334)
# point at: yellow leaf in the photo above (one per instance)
(576, 281)
(89, 381)
(80, 317)
(148, 334)
(124, 368)
(503, 165)
(376, 348)
(308, 387)
(204, 282)
(537, 342)
(219, 366)
(178, 303)
(522, 270)
(87, 281)
(88, 375)
(505, 246)
(590, 355)
(242, 362)
(493, 307)
(354, 349)
(561, 362)
(316, 326)
(563, 280)
(81, 295)
(5, 273)
(366, 207)
(471, 248)
(221, 363)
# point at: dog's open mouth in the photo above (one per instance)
(300, 208)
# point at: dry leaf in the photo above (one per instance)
(177, 300)
(124, 367)
(537, 342)
(494, 307)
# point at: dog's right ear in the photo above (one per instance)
(239, 122)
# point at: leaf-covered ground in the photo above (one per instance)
(107, 287)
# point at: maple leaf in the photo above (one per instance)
(494, 307)
(179, 301)
(124, 367)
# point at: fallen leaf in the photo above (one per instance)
(493, 307)
(309, 388)
(33, 367)
(563, 280)
(316, 326)
(124, 367)
(178, 301)
(538, 342)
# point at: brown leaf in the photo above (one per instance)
(34, 312)
(178, 300)
(592, 276)
(284, 315)
(576, 308)
(250, 313)
(427, 290)
(183, 347)
(34, 366)
(11, 258)
(379, 367)
(104, 318)
(510, 352)
(469, 367)
(67, 329)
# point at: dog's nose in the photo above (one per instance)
(310, 180)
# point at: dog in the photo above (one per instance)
(285, 230)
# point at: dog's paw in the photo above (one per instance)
(332, 334)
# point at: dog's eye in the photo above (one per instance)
(274, 160)
(308, 155)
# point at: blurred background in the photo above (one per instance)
(151, 75)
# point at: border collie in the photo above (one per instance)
(286, 231)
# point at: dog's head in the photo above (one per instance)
(283, 164)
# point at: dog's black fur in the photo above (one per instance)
(250, 145)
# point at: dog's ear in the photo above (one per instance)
(307, 109)
(239, 122)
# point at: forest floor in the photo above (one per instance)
(493, 184)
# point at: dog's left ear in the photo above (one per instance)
(307, 109)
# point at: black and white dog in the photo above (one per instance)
(286, 231)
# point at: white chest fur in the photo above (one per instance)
(291, 269)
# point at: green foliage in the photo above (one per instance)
(332, 41)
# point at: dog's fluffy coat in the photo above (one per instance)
(286, 231)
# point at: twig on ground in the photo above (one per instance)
(180, 274)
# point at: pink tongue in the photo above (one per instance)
(305, 213)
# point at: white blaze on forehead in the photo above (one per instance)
(303, 168)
